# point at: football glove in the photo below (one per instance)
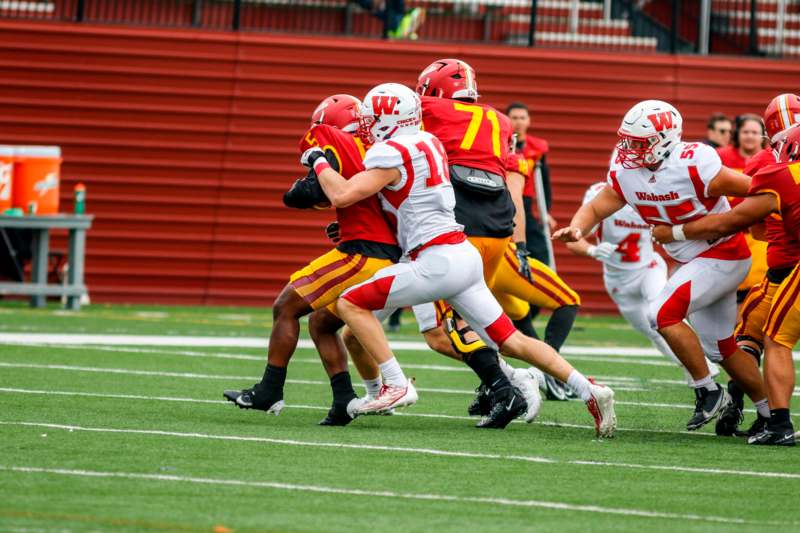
(332, 231)
(522, 256)
(602, 252)
(311, 155)
(305, 193)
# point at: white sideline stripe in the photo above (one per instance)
(246, 357)
(560, 506)
(257, 342)
(403, 449)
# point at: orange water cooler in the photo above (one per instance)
(6, 176)
(37, 174)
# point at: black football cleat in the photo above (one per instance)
(774, 436)
(337, 416)
(256, 398)
(482, 403)
(507, 404)
(708, 404)
(758, 425)
(555, 389)
(730, 416)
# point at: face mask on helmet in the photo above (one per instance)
(782, 112)
(636, 152)
(649, 132)
(787, 144)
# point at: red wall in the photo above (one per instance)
(187, 139)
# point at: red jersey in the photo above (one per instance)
(782, 180)
(517, 163)
(783, 250)
(363, 220)
(473, 135)
(535, 148)
(731, 158)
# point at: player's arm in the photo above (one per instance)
(606, 203)
(729, 182)
(751, 211)
(515, 183)
(343, 192)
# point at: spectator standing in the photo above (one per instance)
(718, 134)
(535, 151)
(397, 22)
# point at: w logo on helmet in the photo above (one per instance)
(661, 121)
(385, 105)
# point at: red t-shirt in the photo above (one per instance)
(473, 135)
(517, 163)
(783, 250)
(535, 148)
(363, 220)
(731, 158)
(782, 180)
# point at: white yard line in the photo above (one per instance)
(262, 342)
(403, 449)
(552, 505)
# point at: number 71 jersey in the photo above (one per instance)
(677, 193)
(628, 232)
(423, 201)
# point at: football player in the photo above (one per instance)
(476, 138)
(367, 244)
(774, 189)
(671, 182)
(408, 168)
(782, 254)
(633, 272)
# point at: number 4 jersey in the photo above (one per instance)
(628, 231)
(677, 193)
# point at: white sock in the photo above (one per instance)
(507, 369)
(762, 406)
(392, 373)
(580, 385)
(707, 382)
(373, 386)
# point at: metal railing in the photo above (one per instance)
(675, 26)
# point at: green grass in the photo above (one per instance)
(170, 443)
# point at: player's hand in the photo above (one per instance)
(662, 234)
(522, 256)
(603, 251)
(568, 234)
(311, 155)
(332, 231)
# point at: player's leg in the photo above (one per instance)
(484, 314)
(323, 326)
(693, 287)
(781, 334)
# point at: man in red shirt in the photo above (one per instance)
(774, 189)
(368, 244)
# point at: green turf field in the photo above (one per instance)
(136, 437)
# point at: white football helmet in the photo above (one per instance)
(388, 110)
(648, 134)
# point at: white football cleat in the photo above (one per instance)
(601, 406)
(529, 387)
(390, 397)
(368, 398)
(538, 376)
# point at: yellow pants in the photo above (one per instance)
(491, 250)
(754, 310)
(783, 320)
(516, 293)
(758, 268)
(322, 281)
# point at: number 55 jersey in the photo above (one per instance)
(677, 193)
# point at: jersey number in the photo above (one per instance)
(436, 176)
(475, 125)
(629, 248)
(688, 151)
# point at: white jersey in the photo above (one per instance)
(628, 232)
(423, 200)
(674, 194)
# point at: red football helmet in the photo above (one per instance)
(448, 78)
(782, 112)
(339, 111)
(787, 144)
